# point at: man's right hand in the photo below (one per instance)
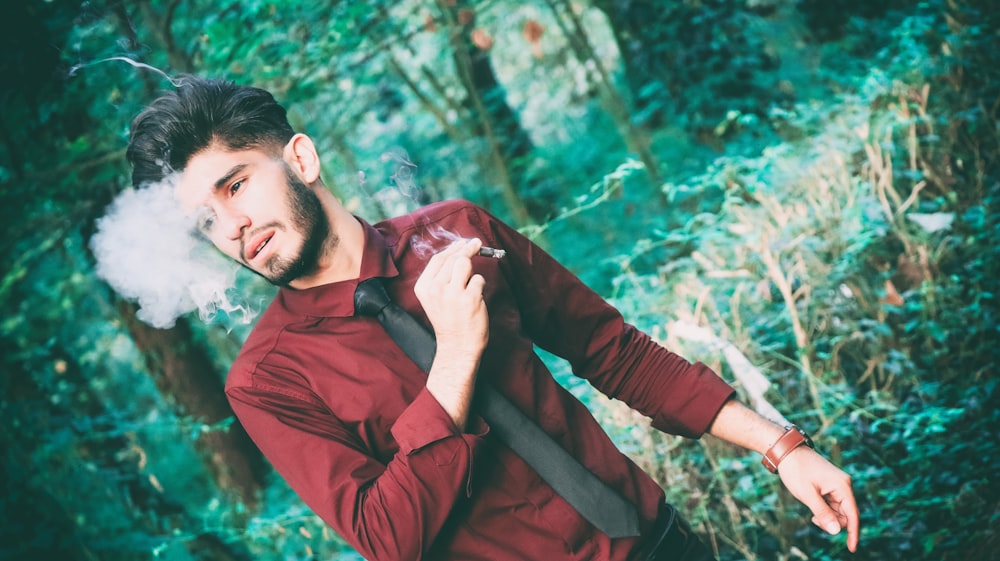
(452, 298)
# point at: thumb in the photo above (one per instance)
(825, 518)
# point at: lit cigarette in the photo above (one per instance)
(492, 252)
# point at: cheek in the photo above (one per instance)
(230, 248)
(262, 204)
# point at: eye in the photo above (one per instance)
(236, 186)
(206, 221)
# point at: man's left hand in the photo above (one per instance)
(825, 489)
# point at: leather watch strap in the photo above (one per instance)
(790, 440)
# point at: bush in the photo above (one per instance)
(856, 263)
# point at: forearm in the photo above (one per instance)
(452, 297)
(452, 381)
(738, 424)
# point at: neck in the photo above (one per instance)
(341, 256)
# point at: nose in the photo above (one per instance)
(234, 223)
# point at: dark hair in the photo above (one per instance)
(200, 112)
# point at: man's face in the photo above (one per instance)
(255, 210)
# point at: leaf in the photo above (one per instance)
(933, 222)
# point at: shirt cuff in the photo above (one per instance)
(425, 422)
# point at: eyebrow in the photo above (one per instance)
(222, 181)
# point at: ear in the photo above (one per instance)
(300, 154)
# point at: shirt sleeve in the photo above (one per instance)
(387, 509)
(565, 317)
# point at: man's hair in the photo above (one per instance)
(197, 114)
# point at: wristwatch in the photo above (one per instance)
(792, 439)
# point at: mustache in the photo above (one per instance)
(253, 234)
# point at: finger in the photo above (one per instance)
(472, 246)
(849, 508)
(476, 285)
(461, 260)
(841, 500)
(823, 516)
(461, 270)
(433, 266)
(439, 260)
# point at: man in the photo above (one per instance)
(396, 460)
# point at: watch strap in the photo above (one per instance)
(790, 440)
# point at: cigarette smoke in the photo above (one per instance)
(134, 63)
(402, 193)
(404, 177)
(149, 251)
(435, 239)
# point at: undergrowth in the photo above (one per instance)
(855, 267)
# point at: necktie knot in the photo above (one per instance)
(370, 298)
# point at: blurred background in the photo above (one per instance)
(804, 194)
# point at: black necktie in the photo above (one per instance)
(601, 505)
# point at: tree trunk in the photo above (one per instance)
(184, 373)
(493, 118)
(162, 27)
(639, 31)
(694, 59)
(636, 136)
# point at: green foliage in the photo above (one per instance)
(874, 322)
(830, 206)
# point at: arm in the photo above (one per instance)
(362, 497)
(386, 508)
(452, 298)
(811, 479)
(568, 319)
(565, 317)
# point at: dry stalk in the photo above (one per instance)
(880, 174)
(750, 378)
(780, 279)
(734, 305)
(912, 199)
(738, 540)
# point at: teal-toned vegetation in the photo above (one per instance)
(804, 195)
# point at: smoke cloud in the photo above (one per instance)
(149, 251)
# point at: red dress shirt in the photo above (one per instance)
(344, 417)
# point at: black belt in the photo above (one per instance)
(671, 539)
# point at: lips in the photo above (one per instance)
(257, 245)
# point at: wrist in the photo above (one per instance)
(460, 351)
(792, 439)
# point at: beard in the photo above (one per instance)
(309, 219)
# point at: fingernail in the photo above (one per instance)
(832, 528)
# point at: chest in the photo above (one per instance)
(356, 369)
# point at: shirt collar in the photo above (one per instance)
(336, 299)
